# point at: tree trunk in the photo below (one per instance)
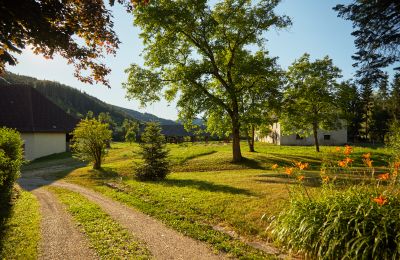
(250, 139)
(237, 154)
(315, 131)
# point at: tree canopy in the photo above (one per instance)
(377, 33)
(201, 54)
(79, 31)
(310, 97)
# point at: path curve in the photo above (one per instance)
(162, 241)
(61, 238)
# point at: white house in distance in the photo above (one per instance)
(44, 126)
(337, 137)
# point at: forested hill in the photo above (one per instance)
(78, 103)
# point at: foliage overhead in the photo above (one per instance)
(90, 140)
(201, 53)
(377, 33)
(310, 97)
(79, 31)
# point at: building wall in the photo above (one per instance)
(41, 144)
(337, 137)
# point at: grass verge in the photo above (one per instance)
(187, 219)
(107, 237)
(20, 227)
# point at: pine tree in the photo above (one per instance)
(394, 100)
(154, 153)
(367, 105)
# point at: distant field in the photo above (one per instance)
(206, 192)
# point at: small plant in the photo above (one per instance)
(10, 161)
(353, 221)
(154, 153)
(90, 140)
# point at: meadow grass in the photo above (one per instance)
(207, 193)
(20, 227)
(106, 236)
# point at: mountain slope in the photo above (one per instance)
(77, 103)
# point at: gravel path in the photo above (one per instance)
(60, 236)
(61, 240)
(163, 242)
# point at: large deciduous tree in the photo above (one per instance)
(208, 56)
(377, 35)
(80, 31)
(310, 102)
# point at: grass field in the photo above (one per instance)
(106, 236)
(20, 227)
(206, 196)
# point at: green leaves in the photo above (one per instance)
(310, 96)
(90, 140)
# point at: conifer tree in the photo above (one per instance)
(154, 153)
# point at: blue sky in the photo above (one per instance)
(316, 30)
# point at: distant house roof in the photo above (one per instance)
(26, 110)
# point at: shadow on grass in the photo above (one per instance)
(309, 182)
(105, 173)
(250, 163)
(6, 203)
(205, 186)
(184, 160)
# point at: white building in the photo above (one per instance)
(336, 137)
(44, 126)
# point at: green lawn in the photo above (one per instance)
(106, 236)
(20, 227)
(206, 192)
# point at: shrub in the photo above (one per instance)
(348, 224)
(154, 153)
(10, 160)
(90, 140)
(347, 221)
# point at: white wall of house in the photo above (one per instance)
(337, 137)
(42, 144)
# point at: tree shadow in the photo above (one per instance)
(250, 163)
(308, 181)
(184, 160)
(6, 205)
(205, 186)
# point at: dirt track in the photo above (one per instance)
(62, 240)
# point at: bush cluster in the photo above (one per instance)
(11, 160)
(154, 153)
(344, 220)
(341, 225)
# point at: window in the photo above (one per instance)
(298, 137)
(327, 137)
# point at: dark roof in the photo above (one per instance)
(26, 110)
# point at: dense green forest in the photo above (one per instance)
(78, 103)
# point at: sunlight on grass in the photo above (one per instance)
(20, 232)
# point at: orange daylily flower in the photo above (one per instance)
(342, 163)
(384, 176)
(301, 165)
(348, 160)
(275, 166)
(381, 200)
(289, 171)
(368, 162)
(348, 150)
(325, 179)
(366, 155)
(301, 178)
(397, 165)
(338, 149)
